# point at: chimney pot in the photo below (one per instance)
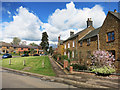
(58, 38)
(115, 10)
(71, 33)
(89, 22)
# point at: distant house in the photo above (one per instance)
(60, 47)
(19, 49)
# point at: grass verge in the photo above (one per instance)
(32, 64)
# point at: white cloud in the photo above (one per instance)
(25, 25)
(76, 18)
(28, 26)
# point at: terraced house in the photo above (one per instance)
(71, 44)
(106, 37)
(18, 49)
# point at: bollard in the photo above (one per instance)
(24, 62)
(71, 69)
(43, 63)
(10, 62)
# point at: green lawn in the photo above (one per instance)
(33, 64)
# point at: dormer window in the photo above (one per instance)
(88, 42)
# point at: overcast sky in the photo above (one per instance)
(27, 20)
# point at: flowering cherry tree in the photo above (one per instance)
(102, 58)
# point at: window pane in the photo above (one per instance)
(109, 36)
(113, 36)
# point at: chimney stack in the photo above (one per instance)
(71, 33)
(58, 38)
(89, 22)
(115, 10)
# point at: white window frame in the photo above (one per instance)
(65, 46)
(68, 45)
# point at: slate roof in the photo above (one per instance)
(116, 14)
(75, 35)
(91, 34)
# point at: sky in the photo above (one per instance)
(28, 20)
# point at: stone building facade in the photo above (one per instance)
(107, 37)
(110, 34)
(71, 44)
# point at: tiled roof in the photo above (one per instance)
(116, 14)
(4, 44)
(91, 34)
(75, 35)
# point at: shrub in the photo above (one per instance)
(64, 57)
(102, 62)
(103, 70)
(79, 67)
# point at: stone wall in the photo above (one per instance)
(110, 24)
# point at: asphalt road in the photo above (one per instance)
(12, 80)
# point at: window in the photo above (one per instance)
(88, 42)
(65, 46)
(112, 52)
(64, 53)
(21, 48)
(0, 46)
(7, 47)
(110, 36)
(81, 43)
(73, 44)
(68, 45)
(72, 54)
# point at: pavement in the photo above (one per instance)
(56, 68)
(12, 80)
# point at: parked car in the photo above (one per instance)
(7, 56)
(25, 55)
(36, 55)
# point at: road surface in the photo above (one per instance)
(12, 80)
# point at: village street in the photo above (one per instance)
(13, 80)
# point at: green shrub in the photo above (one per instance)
(104, 70)
(79, 67)
(64, 57)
